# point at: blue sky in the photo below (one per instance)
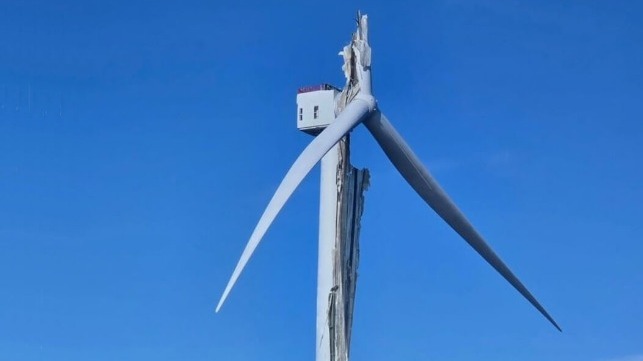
(140, 142)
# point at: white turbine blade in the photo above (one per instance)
(416, 174)
(355, 112)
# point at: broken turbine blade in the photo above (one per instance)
(418, 176)
(356, 111)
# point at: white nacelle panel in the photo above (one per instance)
(316, 109)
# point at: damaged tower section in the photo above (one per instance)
(351, 184)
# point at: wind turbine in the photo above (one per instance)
(356, 105)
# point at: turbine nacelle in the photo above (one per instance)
(316, 107)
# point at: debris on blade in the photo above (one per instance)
(357, 64)
(351, 185)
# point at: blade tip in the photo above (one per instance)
(224, 296)
(553, 322)
(216, 310)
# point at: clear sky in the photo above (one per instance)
(140, 142)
